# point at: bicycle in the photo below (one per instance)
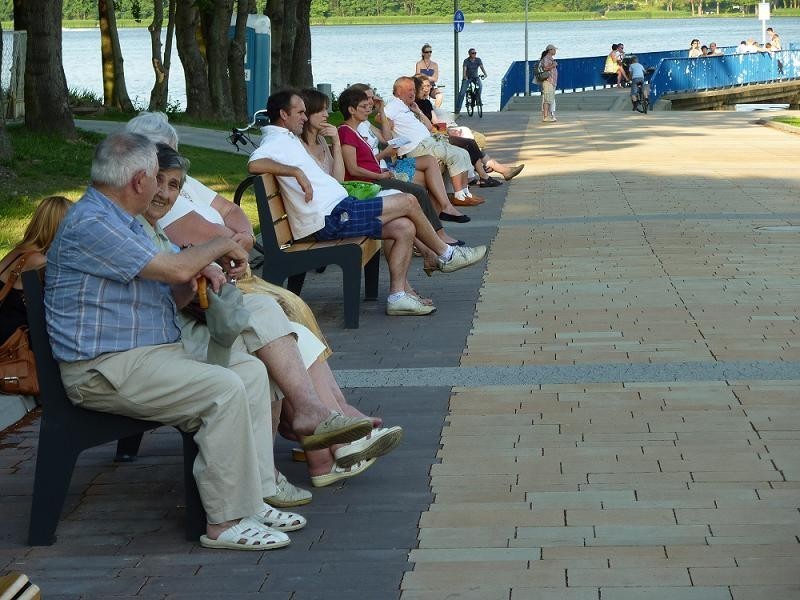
(240, 137)
(642, 101)
(473, 98)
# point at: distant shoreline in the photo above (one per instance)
(482, 18)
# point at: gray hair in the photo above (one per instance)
(120, 156)
(169, 159)
(155, 127)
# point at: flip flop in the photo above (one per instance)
(247, 534)
(336, 429)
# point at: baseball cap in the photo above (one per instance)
(551, 47)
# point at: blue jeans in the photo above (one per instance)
(463, 91)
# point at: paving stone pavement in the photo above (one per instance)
(609, 410)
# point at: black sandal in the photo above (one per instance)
(490, 182)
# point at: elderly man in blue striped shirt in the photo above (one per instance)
(111, 297)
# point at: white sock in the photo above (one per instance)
(396, 296)
(448, 254)
(459, 195)
(467, 193)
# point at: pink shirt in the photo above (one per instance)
(364, 156)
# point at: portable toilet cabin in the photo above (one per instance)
(257, 60)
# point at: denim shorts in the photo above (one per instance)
(353, 217)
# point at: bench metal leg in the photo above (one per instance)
(128, 448)
(295, 283)
(55, 462)
(371, 274)
(195, 513)
(351, 275)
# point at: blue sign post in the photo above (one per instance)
(458, 26)
(458, 21)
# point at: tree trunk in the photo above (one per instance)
(291, 43)
(161, 66)
(236, 61)
(115, 92)
(5, 143)
(301, 56)
(198, 96)
(20, 22)
(215, 24)
(46, 96)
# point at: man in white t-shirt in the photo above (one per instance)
(318, 205)
(408, 122)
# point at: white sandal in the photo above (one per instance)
(287, 494)
(282, 521)
(247, 534)
(338, 473)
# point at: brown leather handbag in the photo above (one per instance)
(17, 363)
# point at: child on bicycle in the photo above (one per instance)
(637, 79)
(469, 72)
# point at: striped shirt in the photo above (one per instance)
(94, 300)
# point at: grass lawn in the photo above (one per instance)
(794, 121)
(46, 165)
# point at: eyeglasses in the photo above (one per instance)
(427, 51)
(471, 53)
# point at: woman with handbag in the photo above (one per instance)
(28, 255)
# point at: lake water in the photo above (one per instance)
(378, 54)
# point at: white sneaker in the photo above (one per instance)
(463, 256)
(409, 306)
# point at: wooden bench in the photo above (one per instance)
(286, 258)
(66, 430)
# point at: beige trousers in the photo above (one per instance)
(456, 159)
(227, 408)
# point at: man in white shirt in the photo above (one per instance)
(318, 205)
(408, 122)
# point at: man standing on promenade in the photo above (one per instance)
(408, 121)
(317, 205)
(110, 300)
(469, 72)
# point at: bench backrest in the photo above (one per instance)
(277, 211)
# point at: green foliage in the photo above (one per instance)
(84, 97)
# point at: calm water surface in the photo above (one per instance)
(379, 54)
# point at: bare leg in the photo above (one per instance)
(285, 365)
(501, 168)
(459, 181)
(401, 231)
(322, 376)
(429, 175)
(397, 206)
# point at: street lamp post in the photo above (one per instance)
(527, 67)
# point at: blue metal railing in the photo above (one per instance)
(578, 74)
(715, 72)
(574, 74)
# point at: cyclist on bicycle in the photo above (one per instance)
(637, 79)
(469, 73)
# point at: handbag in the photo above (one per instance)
(541, 74)
(17, 363)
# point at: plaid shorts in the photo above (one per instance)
(351, 218)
